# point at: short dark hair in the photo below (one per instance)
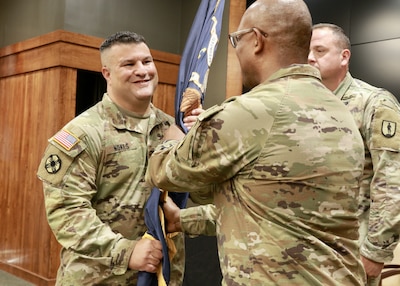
(342, 39)
(123, 37)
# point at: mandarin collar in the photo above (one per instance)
(296, 69)
(122, 119)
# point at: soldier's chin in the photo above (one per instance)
(145, 92)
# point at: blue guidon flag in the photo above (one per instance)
(196, 60)
(197, 57)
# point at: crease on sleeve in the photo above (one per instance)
(120, 256)
(200, 220)
(375, 253)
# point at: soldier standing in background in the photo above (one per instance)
(377, 115)
(282, 163)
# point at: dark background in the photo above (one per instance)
(374, 31)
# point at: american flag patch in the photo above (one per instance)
(66, 139)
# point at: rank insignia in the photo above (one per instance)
(388, 128)
(53, 164)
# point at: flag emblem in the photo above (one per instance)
(66, 139)
(388, 128)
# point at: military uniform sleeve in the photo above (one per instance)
(68, 173)
(213, 151)
(199, 220)
(383, 140)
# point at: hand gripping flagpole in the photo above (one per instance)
(197, 57)
(196, 60)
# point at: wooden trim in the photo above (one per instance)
(27, 275)
(56, 36)
(51, 50)
(36, 105)
(67, 49)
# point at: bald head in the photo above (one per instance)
(288, 24)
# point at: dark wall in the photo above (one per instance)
(160, 21)
(374, 31)
(202, 264)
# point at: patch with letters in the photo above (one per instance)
(66, 139)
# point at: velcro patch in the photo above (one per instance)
(54, 165)
(65, 139)
(385, 130)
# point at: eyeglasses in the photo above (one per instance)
(235, 37)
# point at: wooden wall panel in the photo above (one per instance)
(33, 106)
(167, 66)
(164, 98)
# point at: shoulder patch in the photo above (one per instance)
(385, 130)
(65, 139)
(54, 165)
(62, 150)
(388, 128)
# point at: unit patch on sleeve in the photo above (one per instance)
(53, 164)
(388, 128)
(384, 130)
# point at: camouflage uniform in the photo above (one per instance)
(93, 175)
(377, 115)
(283, 164)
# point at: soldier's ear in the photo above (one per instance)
(259, 41)
(345, 56)
(105, 71)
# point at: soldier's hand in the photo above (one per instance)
(172, 215)
(146, 255)
(190, 120)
